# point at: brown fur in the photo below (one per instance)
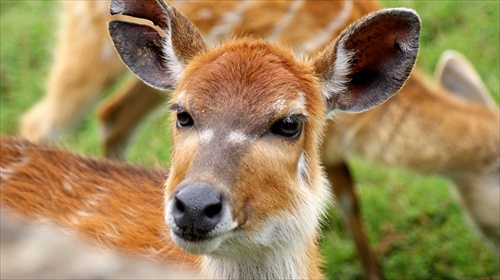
(102, 201)
(439, 153)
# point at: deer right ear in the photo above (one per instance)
(457, 75)
(370, 61)
(157, 60)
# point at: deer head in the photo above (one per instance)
(246, 184)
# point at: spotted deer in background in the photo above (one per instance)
(246, 189)
(389, 134)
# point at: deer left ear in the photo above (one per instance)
(155, 59)
(370, 61)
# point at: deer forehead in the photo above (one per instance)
(247, 84)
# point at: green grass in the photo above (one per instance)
(412, 220)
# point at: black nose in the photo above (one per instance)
(197, 209)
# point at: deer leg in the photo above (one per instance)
(343, 188)
(120, 115)
(84, 64)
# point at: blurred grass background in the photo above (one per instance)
(415, 226)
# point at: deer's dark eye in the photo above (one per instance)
(184, 120)
(289, 127)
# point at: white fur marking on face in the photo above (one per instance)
(237, 137)
(206, 136)
(302, 171)
(281, 25)
(325, 35)
(180, 97)
(272, 265)
(278, 105)
(299, 105)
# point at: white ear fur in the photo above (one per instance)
(170, 58)
(342, 69)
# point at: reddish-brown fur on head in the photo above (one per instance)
(231, 146)
(274, 86)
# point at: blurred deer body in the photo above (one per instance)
(430, 129)
(98, 200)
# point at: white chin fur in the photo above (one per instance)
(204, 247)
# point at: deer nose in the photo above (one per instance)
(197, 209)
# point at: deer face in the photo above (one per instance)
(247, 120)
(246, 123)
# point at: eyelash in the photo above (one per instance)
(184, 119)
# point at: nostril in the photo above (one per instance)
(179, 205)
(213, 210)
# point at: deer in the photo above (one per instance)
(96, 66)
(85, 51)
(347, 135)
(246, 189)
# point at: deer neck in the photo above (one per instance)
(299, 262)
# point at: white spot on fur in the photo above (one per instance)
(73, 219)
(100, 188)
(302, 171)
(281, 25)
(82, 213)
(6, 172)
(278, 105)
(180, 98)
(325, 35)
(93, 200)
(299, 105)
(206, 136)
(237, 137)
(228, 21)
(67, 186)
(205, 14)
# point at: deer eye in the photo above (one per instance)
(289, 127)
(184, 120)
